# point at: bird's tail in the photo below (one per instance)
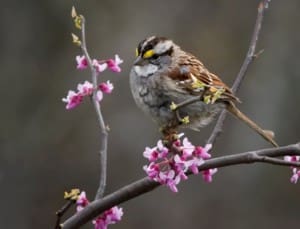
(266, 134)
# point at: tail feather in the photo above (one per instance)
(266, 134)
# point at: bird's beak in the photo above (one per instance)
(139, 61)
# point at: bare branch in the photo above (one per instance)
(241, 75)
(275, 161)
(61, 212)
(145, 185)
(103, 129)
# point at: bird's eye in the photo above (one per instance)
(155, 57)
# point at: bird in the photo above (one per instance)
(177, 90)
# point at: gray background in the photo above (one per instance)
(45, 149)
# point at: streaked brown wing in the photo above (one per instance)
(193, 76)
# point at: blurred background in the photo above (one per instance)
(45, 149)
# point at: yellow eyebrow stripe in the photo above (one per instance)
(136, 52)
(148, 54)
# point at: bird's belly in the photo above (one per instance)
(155, 101)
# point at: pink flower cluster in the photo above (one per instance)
(73, 98)
(100, 65)
(296, 171)
(82, 201)
(169, 170)
(108, 217)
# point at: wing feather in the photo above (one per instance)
(193, 76)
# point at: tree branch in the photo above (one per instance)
(61, 212)
(145, 185)
(241, 75)
(103, 129)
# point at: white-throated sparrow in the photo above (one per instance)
(176, 89)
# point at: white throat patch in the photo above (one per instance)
(145, 70)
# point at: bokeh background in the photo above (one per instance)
(45, 149)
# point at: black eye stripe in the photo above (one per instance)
(152, 43)
(166, 53)
(142, 47)
(147, 47)
(155, 56)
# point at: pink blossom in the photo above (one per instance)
(162, 149)
(110, 216)
(203, 152)
(152, 171)
(207, 174)
(155, 153)
(296, 172)
(99, 65)
(73, 99)
(116, 214)
(180, 167)
(99, 223)
(82, 62)
(181, 175)
(151, 154)
(180, 162)
(106, 87)
(294, 158)
(295, 176)
(187, 148)
(194, 168)
(85, 89)
(82, 201)
(172, 185)
(114, 64)
(169, 179)
(99, 96)
(193, 164)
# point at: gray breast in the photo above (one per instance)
(150, 96)
(154, 95)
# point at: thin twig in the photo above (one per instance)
(241, 75)
(251, 52)
(61, 212)
(188, 101)
(275, 161)
(145, 185)
(103, 129)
